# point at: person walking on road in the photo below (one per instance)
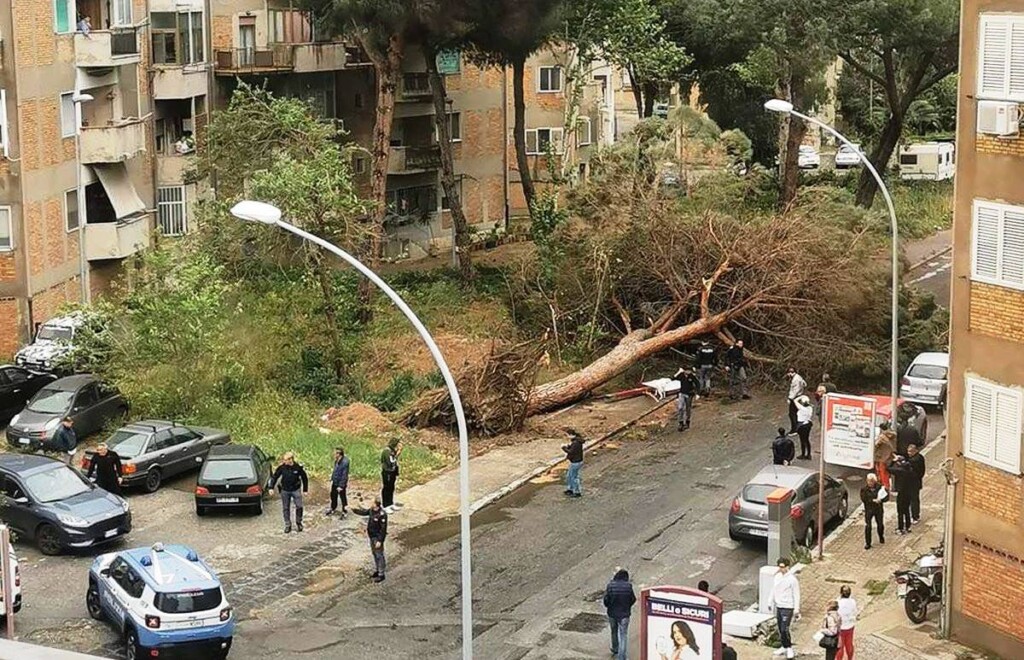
(339, 481)
(736, 366)
(804, 415)
(873, 495)
(796, 389)
(106, 466)
(294, 482)
(389, 472)
(786, 603)
(377, 532)
(830, 630)
(783, 448)
(66, 440)
(618, 601)
(574, 454)
(915, 459)
(706, 361)
(848, 621)
(688, 387)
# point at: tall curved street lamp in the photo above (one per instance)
(268, 214)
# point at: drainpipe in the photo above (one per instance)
(949, 472)
(504, 155)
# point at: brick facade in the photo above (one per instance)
(10, 321)
(997, 311)
(7, 272)
(47, 304)
(1001, 146)
(995, 592)
(223, 32)
(993, 492)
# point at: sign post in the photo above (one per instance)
(679, 618)
(7, 575)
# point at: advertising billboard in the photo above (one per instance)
(678, 623)
(848, 430)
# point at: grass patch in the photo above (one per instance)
(876, 587)
(922, 207)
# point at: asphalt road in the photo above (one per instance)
(657, 507)
(934, 276)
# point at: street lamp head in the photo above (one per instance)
(778, 105)
(78, 97)
(251, 211)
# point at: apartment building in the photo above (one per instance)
(986, 380)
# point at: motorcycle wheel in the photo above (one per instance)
(916, 605)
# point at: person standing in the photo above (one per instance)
(294, 482)
(736, 366)
(899, 468)
(706, 361)
(688, 387)
(915, 459)
(848, 621)
(389, 472)
(339, 481)
(106, 466)
(873, 496)
(786, 603)
(574, 454)
(377, 532)
(66, 440)
(804, 415)
(783, 449)
(830, 630)
(796, 389)
(826, 382)
(618, 601)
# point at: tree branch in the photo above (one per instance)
(860, 68)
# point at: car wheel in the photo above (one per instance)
(844, 508)
(48, 540)
(733, 535)
(200, 510)
(809, 537)
(132, 649)
(92, 602)
(153, 480)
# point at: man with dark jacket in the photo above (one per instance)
(706, 361)
(106, 465)
(899, 468)
(294, 482)
(618, 600)
(339, 481)
(915, 459)
(573, 454)
(66, 440)
(783, 449)
(688, 387)
(736, 365)
(377, 531)
(389, 472)
(873, 495)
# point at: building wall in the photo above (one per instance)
(987, 558)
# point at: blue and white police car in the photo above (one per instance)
(164, 600)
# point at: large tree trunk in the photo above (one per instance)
(650, 96)
(519, 130)
(797, 129)
(880, 155)
(638, 95)
(448, 182)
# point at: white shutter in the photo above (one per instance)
(1016, 60)
(1006, 454)
(979, 439)
(992, 428)
(1011, 257)
(986, 242)
(992, 57)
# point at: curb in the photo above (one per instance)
(944, 251)
(493, 497)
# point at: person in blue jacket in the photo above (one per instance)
(339, 482)
(618, 601)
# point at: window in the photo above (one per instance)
(993, 425)
(170, 210)
(454, 127)
(64, 16)
(445, 204)
(6, 233)
(359, 164)
(549, 79)
(122, 12)
(68, 118)
(908, 159)
(1001, 57)
(583, 131)
(177, 37)
(71, 210)
(3, 122)
(540, 140)
(997, 250)
(289, 26)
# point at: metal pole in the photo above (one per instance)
(8, 579)
(460, 416)
(895, 352)
(83, 264)
(821, 483)
(949, 473)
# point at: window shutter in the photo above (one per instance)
(531, 141)
(1016, 61)
(1012, 248)
(986, 241)
(1006, 452)
(992, 75)
(979, 442)
(4, 140)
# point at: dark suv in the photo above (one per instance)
(233, 476)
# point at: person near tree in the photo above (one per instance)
(618, 602)
(796, 385)
(294, 482)
(574, 454)
(389, 472)
(339, 481)
(706, 361)
(688, 387)
(106, 467)
(736, 367)
(804, 417)
(873, 496)
(783, 449)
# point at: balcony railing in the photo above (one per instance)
(415, 85)
(107, 48)
(410, 205)
(274, 59)
(113, 142)
(406, 160)
(117, 240)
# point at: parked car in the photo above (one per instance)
(153, 449)
(87, 401)
(847, 156)
(808, 159)
(17, 386)
(907, 413)
(16, 589)
(56, 506)
(164, 601)
(54, 340)
(233, 476)
(926, 379)
(748, 515)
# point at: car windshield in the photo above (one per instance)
(758, 493)
(931, 371)
(847, 149)
(58, 483)
(233, 470)
(51, 401)
(54, 333)
(128, 444)
(186, 602)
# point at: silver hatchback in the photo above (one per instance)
(748, 515)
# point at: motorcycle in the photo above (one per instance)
(921, 586)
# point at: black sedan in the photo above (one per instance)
(17, 386)
(56, 506)
(153, 449)
(233, 476)
(88, 402)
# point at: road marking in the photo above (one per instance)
(932, 273)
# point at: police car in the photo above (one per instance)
(165, 601)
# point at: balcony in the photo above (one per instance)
(314, 57)
(172, 170)
(114, 143)
(117, 240)
(415, 87)
(105, 49)
(179, 82)
(242, 61)
(411, 160)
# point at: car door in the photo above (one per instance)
(834, 490)
(113, 593)
(160, 452)
(262, 467)
(8, 397)
(110, 402)
(191, 445)
(17, 511)
(22, 386)
(809, 500)
(83, 411)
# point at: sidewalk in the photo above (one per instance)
(926, 248)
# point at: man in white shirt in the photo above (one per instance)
(804, 415)
(786, 603)
(847, 619)
(796, 389)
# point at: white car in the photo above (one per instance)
(16, 590)
(848, 156)
(54, 340)
(808, 158)
(926, 379)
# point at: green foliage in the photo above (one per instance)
(738, 146)
(922, 207)
(403, 388)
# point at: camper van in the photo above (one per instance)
(932, 161)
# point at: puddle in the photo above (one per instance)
(585, 622)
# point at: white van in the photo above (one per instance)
(926, 379)
(931, 161)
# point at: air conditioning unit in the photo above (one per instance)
(1000, 118)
